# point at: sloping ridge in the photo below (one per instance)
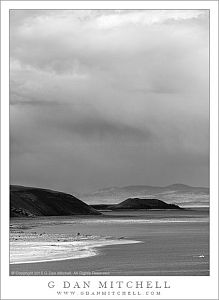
(31, 201)
(137, 203)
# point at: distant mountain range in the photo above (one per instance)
(179, 194)
(31, 202)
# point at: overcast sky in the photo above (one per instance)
(109, 98)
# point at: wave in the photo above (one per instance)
(36, 252)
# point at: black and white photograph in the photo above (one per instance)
(109, 140)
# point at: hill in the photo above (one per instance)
(180, 194)
(136, 203)
(31, 201)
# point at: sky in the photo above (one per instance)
(102, 98)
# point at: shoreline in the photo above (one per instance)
(160, 243)
(34, 252)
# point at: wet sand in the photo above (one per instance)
(170, 246)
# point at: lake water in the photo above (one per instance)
(171, 243)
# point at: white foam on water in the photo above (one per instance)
(35, 252)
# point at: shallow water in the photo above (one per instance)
(172, 242)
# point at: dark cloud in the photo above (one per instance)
(102, 129)
(109, 97)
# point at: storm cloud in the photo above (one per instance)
(109, 98)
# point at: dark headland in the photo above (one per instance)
(32, 202)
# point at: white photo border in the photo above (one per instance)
(181, 287)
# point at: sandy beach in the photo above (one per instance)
(132, 243)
